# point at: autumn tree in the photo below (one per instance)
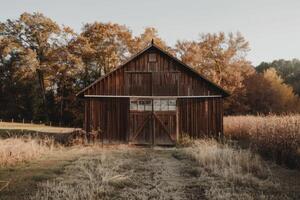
(32, 32)
(14, 91)
(284, 99)
(64, 67)
(288, 70)
(145, 38)
(267, 93)
(222, 59)
(110, 44)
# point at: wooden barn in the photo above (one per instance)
(153, 98)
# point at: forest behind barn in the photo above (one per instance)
(44, 64)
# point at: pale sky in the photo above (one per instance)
(272, 27)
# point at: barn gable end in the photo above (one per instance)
(169, 77)
(155, 99)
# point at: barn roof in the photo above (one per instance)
(154, 46)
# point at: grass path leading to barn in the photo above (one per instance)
(166, 173)
(126, 173)
(122, 172)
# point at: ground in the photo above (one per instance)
(203, 169)
(121, 172)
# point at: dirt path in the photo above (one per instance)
(159, 174)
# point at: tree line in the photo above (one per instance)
(43, 65)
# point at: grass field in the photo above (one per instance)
(40, 168)
(34, 127)
(41, 132)
(274, 137)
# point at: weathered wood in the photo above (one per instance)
(199, 102)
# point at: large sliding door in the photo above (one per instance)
(153, 121)
(140, 128)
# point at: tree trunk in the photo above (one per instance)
(43, 90)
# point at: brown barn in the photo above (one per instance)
(153, 98)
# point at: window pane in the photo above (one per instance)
(172, 104)
(141, 105)
(133, 105)
(164, 104)
(148, 105)
(156, 104)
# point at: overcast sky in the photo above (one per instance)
(271, 26)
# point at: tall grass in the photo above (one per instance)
(275, 137)
(16, 150)
(232, 173)
(95, 177)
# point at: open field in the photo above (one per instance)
(34, 127)
(61, 135)
(204, 170)
(274, 137)
(40, 168)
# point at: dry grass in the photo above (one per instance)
(233, 174)
(205, 170)
(126, 173)
(95, 177)
(275, 137)
(16, 150)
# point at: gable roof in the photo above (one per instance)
(152, 45)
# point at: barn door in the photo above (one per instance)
(164, 121)
(141, 126)
(153, 121)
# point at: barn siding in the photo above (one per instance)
(109, 118)
(200, 117)
(189, 84)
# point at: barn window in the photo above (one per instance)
(152, 57)
(133, 105)
(148, 105)
(156, 104)
(172, 104)
(141, 105)
(164, 104)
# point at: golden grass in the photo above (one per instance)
(16, 150)
(95, 177)
(205, 170)
(233, 173)
(35, 127)
(276, 137)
